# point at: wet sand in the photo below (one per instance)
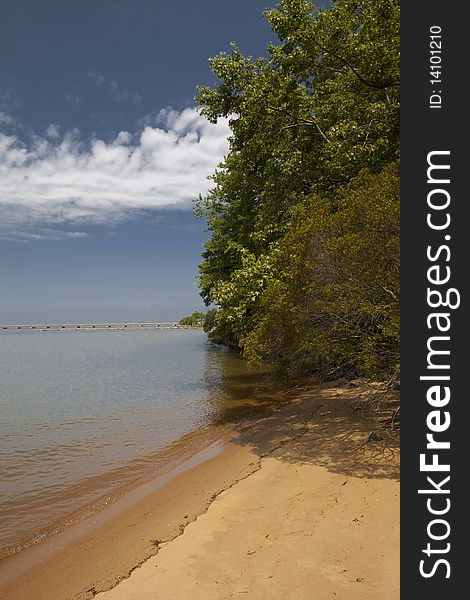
(297, 505)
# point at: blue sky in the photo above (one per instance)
(101, 152)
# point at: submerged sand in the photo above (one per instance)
(298, 505)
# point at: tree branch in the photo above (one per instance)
(352, 68)
(301, 121)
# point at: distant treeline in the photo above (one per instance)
(195, 320)
(303, 258)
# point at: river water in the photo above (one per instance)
(86, 416)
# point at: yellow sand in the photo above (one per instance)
(291, 530)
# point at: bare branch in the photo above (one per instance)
(390, 292)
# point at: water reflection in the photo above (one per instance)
(236, 390)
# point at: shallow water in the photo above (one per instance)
(85, 416)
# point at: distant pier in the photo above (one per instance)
(94, 326)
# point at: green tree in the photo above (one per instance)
(333, 306)
(195, 320)
(305, 120)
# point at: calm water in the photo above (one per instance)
(84, 416)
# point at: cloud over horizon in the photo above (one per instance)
(59, 179)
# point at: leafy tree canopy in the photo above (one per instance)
(306, 119)
(333, 305)
(195, 320)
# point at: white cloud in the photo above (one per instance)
(6, 119)
(96, 77)
(60, 179)
(53, 131)
(39, 233)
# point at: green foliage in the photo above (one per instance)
(308, 118)
(210, 320)
(334, 307)
(197, 319)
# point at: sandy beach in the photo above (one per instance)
(295, 505)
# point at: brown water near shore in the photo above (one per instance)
(16, 565)
(120, 483)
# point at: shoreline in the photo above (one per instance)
(165, 460)
(14, 565)
(74, 568)
(292, 436)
